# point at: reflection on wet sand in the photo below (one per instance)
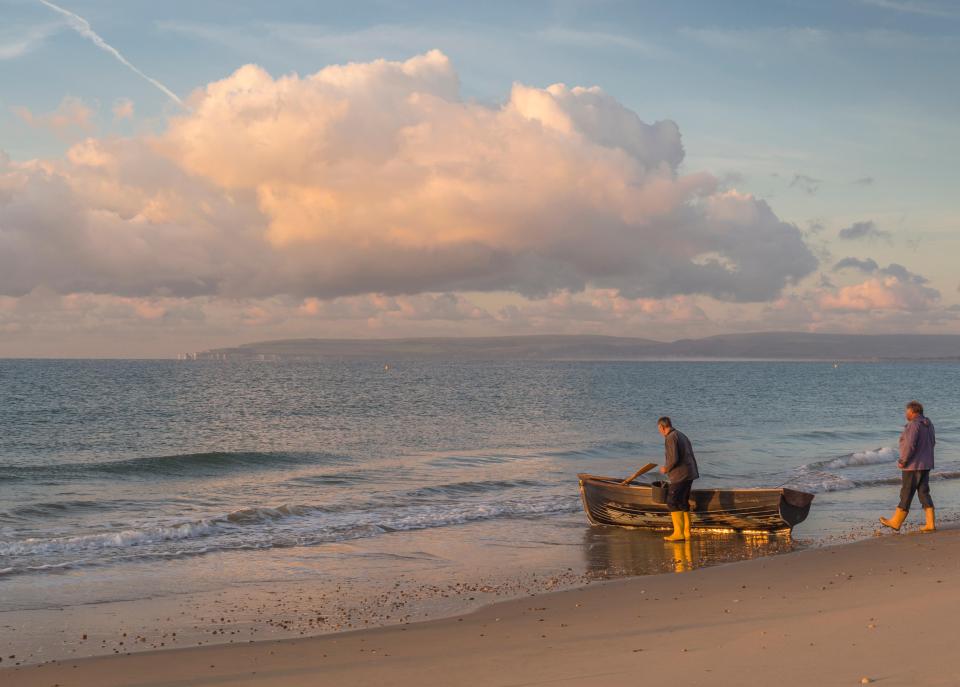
(620, 552)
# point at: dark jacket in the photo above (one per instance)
(916, 445)
(679, 460)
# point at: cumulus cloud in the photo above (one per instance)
(123, 109)
(889, 299)
(426, 306)
(891, 288)
(863, 230)
(868, 265)
(71, 116)
(379, 178)
(903, 274)
(882, 293)
(46, 323)
(603, 308)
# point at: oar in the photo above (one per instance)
(646, 468)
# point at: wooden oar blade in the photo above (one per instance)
(646, 468)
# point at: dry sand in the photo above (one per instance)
(884, 610)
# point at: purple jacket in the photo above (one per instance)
(916, 445)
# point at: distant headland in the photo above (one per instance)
(756, 346)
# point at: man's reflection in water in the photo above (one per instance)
(621, 552)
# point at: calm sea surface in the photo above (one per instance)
(129, 479)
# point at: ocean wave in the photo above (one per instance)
(471, 460)
(251, 516)
(844, 433)
(156, 534)
(472, 487)
(53, 509)
(44, 568)
(877, 456)
(177, 465)
(243, 528)
(818, 482)
(822, 482)
(107, 540)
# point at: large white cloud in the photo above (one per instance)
(380, 178)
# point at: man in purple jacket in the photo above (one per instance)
(916, 461)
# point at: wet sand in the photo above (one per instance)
(366, 584)
(883, 610)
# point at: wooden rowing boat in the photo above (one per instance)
(608, 501)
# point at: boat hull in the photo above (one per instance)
(607, 502)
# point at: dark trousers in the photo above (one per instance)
(678, 496)
(915, 482)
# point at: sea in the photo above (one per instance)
(295, 497)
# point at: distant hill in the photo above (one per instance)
(758, 346)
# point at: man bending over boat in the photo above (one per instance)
(916, 461)
(680, 467)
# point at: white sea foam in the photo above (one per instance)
(875, 457)
(822, 476)
(108, 540)
(819, 482)
(304, 525)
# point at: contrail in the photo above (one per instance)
(82, 26)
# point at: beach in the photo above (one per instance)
(883, 609)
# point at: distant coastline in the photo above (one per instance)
(780, 346)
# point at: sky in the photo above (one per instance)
(180, 176)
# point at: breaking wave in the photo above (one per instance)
(877, 456)
(848, 472)
(266, 527)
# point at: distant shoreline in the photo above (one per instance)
(751, 347)
(762, 346)
(399, 360)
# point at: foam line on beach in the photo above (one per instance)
(302, 526)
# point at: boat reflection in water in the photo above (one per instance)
(618, 552)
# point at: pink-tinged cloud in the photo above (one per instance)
(377, 178)
(123, 109)
(882, 293)
(72, 116)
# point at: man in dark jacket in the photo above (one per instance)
(680, 466)
(916, 460)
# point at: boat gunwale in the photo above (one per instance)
(617, 482)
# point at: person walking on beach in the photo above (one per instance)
(680, 466)
(916, 461)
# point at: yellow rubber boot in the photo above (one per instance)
(931, 525)
(895, 520)
(686, 526)
(677, 535)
